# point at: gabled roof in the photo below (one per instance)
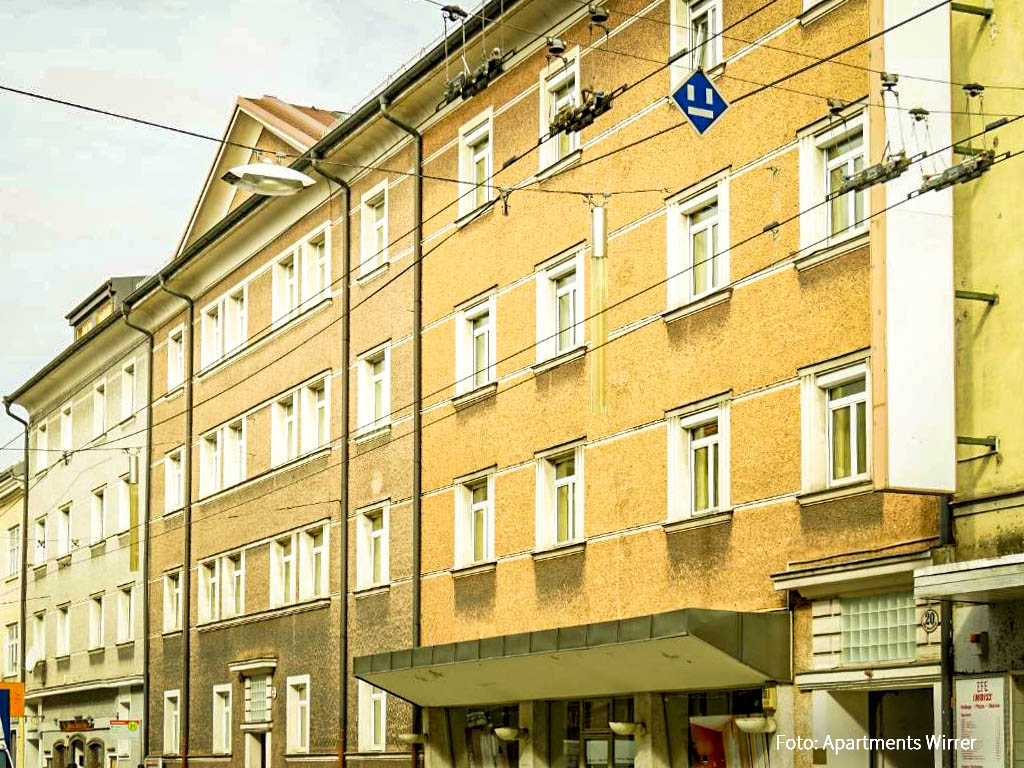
(266, 123)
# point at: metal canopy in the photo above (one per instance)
(689, 649)
(993, 580)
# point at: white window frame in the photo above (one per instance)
(366, 403)
(222, 711)
(11, 661)
(175, 358)
(64, 630)
(209, 592)
(471, 135)
(14, 550)
(97, 618)
(465, 344)
(316, 267)
(552, 78)
(284, 429)
(39, 541)
(128, 383)
(42, 456)
(310, 587)
(680, 425)
(174, 480)
(230, 590)
(99, 408)
(298, 719)
(547, 277)
(172, 722)
(547, 486)
(98, 515)
(172, 601)
(286, 302)
(125, 614)
(815, 381)
(315, 416)
(371, 738)
(681, 34)
(681, 207)
(234, 446)
(67, 427)
(224, 326)
(124, 504)
(39, 635)
(211, 462)
(829, 382)
(284, 591)
(365, 536)
(466, 517)
(369, 258)
(65, 531)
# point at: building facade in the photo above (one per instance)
(11, 514)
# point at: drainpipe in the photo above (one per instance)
(145, 526)
(946, 539)
(24, 544)
(417, 384)
(343, 461)
(186, 571)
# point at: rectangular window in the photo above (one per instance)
(559, 308)
(125, 615)
(39, 542)
(64, 531)
(698, 243)
(475, 163)
(560, 498)
(124, 504)
(234, 453)
(835, 413)
(559, 92)
(42, 449)
(39, 637)
(285, 429)
(283, 573)
(210, 468)
(127, 391)
(847, 431)
(313, 562)
(374, 396)
(172, 601)
(224, 327)
(14, 550)
(257, 699)
(315, 426)
(222, 719)
(374, 229)
(372, 555)
(209, 591)
(98, 517)
(705, 42)
(64, 630)
(372, 718)
(698, 460)
(475, 352)
(474, 532)
(175, 358)
(878, 628)
(286, 287)
(298, 714)
(316, 278)
(96, 622)
(174, 481)
(844, 158)
(213, 335)
(66, 428)
(236, 321)
(172, 730)
(99, 409)
(233, 584)
(12, 661)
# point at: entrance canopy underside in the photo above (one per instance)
(689, 649)
(991, 580)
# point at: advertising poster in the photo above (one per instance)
(980, 716)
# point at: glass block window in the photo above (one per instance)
(257, 699)
(878, 628)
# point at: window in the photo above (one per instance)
(475, 353)
(39, 542)
(209, 591)
(316, 278)
(125, 615)
(172, 601)
(374, 228)
(372, 717)
(474, 521)
(66, 428)
(14, 550)
(42, 449)
(96, 622)
(174, 480)
(559, 308)
(843, 158)
(175, 358)
(698, 459)
(559, 90)
(835, 410)
(298, 714)
(313, 563)
(476, 161)
(127, 390)
(285, 429)
(560, 498)
(257, 699)
(172, 735)
(233, 584)
(705, 42)
(878, 628)
(12, 661)
(282, 575)
(99, 409)
(64, 630)
(222, 457)
(98, 516)
(374, 398)
(39, 636)
(124, 504)
(64, 531)
(316, 416)
(698, 243)
(234, 453)
(372, 553)
(224, 327)
(210, 478)
(286, 287)
(222, 719)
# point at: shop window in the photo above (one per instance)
(581, 737)
(483, 748)
(702, 730)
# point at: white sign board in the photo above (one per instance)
(981, 716)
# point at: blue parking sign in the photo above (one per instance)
(699, 101)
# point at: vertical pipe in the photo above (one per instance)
(946, 638)
(23, 565)
(145, 528)
(343, 459)
(186, 571)
(417, 384)
(598, 305)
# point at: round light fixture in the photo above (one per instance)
(412, 738)
(268, 179)
(756, 724)
(627, 729)
(506, 733)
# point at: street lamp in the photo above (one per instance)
(268, 179)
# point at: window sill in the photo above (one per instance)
(367, 435)
(39, 569)
(64, 560)
(171, 394)
(171, 632)
(463, 571)
(562, 550)
(97, 651)
(10, 577)
(307, 604)
(475, 395)
(97, 548)
(173, 512)
(375, 589)
(553, 169)
(124, 538)
(859, 488)
(62, 658)
(123, 645)
(832, 251)
(373, 274)
(818, 9)
(702, 520)
(125, 421)
(256, 727)
(476, 213)
(553, 362)
(704, 302)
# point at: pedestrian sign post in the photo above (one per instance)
(699, 101)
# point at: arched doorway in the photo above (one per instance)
(59, 758)
(75, 757)
(94, 755)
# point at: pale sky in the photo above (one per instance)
(84, 197)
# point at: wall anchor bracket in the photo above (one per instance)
(975, 9)
(990, 441)
(989, 298)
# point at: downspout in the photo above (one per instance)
(186, 571)
(23, 598)
(145, 527)
(417, 384)
(946, 540)
(346, 251)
